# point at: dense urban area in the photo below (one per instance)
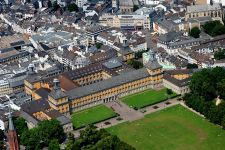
(112, 74)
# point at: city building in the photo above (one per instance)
(39, 110)
(200, 2)
(173, 41)
(115, 3)
(126, 6)
(204, 10)
(127, 22)
(103, 90)
(177, 80)
(80, 3)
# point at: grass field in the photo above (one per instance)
(175, 128)
(146, 98)
(91, 115)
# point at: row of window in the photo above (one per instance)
(118, 90)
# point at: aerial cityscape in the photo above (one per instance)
(112, 74)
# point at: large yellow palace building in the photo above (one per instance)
(93, 85)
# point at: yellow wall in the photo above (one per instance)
(181, 76)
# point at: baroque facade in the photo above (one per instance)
(107, 88)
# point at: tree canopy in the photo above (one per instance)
(139, 54)
(54, 145)
(135, 8)
(2, 135)
(135, 64)
(205, 83)
(220, 54)
(42, 135)
(73, 7)
(98, 45)
(214, 28)
(192, 66)
(195, 32)
(92, 139)
(21, 125)
(206, 87)
(55, 6)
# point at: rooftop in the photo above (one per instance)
(206, 7)
(109, 83)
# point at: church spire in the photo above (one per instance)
(12, 136)
(11, 126)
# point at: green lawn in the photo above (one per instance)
(91, 115)
(146, 98)
(175, 128)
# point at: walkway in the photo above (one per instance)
(160, 106)
(124, 111)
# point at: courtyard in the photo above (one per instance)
(171, 128)
(92, 115)
(146, 98)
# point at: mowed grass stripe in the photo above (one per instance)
(146, 98)
(175, 128)
(92, 115)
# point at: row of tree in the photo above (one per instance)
(46, 134)
(207, 87)
(92, 139)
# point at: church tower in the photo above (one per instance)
(154, 69)
(12, 136)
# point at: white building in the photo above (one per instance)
(217, 1)
(80, 3)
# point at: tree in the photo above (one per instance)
(93, 139)
(42, 135)
(135, 8)
(135, 64)
(205, 86)
(169, 91)
(220, 54)
(214, 28)
(195, 32)
(49, 130)
(218, 30)
(2, 135)
(221, 88)
(223, 122)
(73, 7)
(55, 6)
(31, 139)
(139, 54)
(192, 66)
(54, 145)
(98, 45)
(21, 125)
(2, 145)
(208, 26)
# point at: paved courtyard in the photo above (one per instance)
(125, 111)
